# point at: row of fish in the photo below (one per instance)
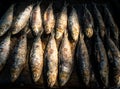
(57, 61)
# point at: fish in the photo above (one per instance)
(83, 62)
(99, 21)
(36, 20)
(49, 19)
(102, 71)
(36, 59)
(6, 20)
(4, 50)
(88, 23)
(51, 61)
(19, 57)
(114, 62)
(61, 22)
(21, 20)
(111, 26)
(73, 24)
(65, 60)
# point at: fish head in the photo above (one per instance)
(89, 32)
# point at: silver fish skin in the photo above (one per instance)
(88, 23)
(49, 20)
(19, 57)
(102, 61)
(65, 60)
(73, 24)
(6, 20)
(99, 21)
(114, 63)
(61, 23)
(4, 50)
(36, 59)
(21, 20)
(83, 61)
(36, 20)
(51, 61)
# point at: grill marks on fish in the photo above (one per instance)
(102, 62)
(36, 20)
(49, 20)
(61, 23)
(99, 21)
(36, 59)
(88, 23)
(73, 24)
(4, 50)
(6, 20)
(51, 62)
(65, 60)
(19, 57)
(114, 63)
(21, 20)
(83, 61)
(111, 26)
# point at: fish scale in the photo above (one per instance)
(65, 60)
(73, 24)
(102, 62)
(83, 62)
(21, 20)
(49, 20)
(6, 20)
(19, 57)
(36, 20)
(36, 59)
(4, 50)
(51, 62)
(61, 23)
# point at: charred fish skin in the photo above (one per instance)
(102, 62)
(51, 62)
(4, 50)
(19, 57)
(21, 20)
(66, 60)
(88, 22)
(73, 24)
(114, 63)
(49, 19)
(6, 20)
(36, 59)
(99, 21)
(111, 25)
(83, 63)
(61, 22)
(36, 20)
